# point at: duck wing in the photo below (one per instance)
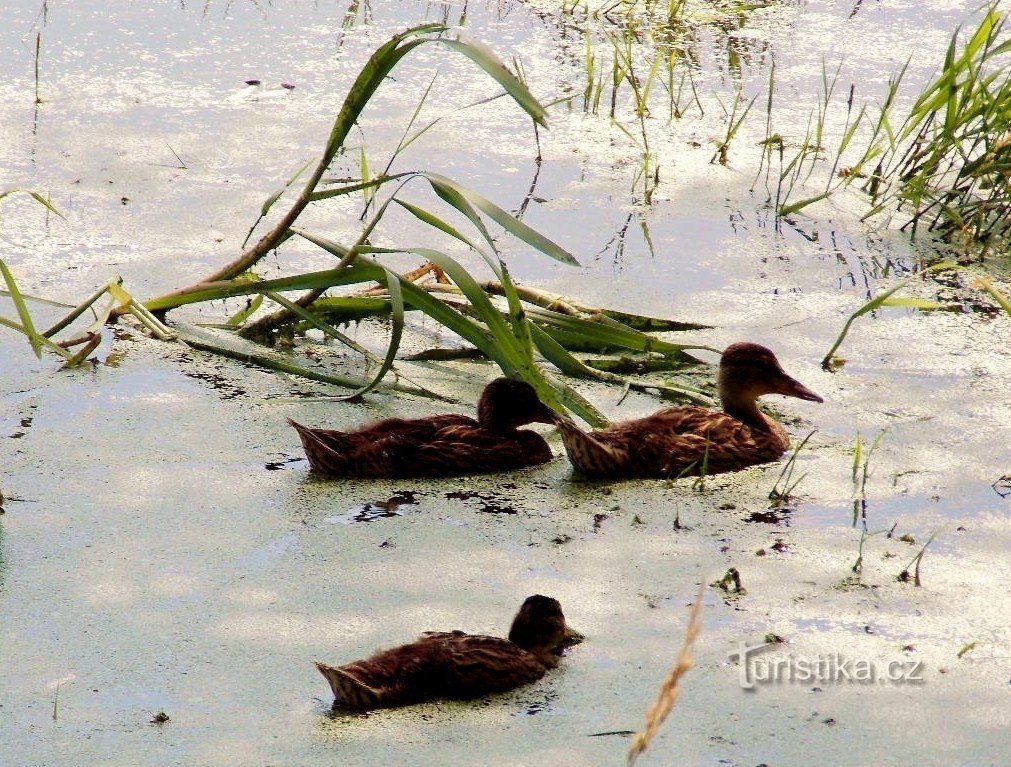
(402, 675)
(461, 450)
(372, 451)
(473, 665)
(671, 442)
(702, 441)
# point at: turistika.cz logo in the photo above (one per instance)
(831, 668)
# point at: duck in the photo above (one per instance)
(681, 440)
(439, 445)
(456, 665)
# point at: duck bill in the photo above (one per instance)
(791, 387)
(548, 416)
(572, 637)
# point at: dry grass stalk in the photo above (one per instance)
(669, 690)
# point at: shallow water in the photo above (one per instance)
(164, 548)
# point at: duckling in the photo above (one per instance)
(439, 445)
(682, 439)
(454, 664)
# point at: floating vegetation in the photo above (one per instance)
(517, 326)
(507, 323)
(730, 583)
(116, 299)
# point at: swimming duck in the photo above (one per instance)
(680, 440)
(454, 664)
(440, 445)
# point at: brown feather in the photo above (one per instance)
(440, 445)
(453, 664)
(686, 440)
(671, 442)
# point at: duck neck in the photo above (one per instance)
(492, 419)
(546, 654)
(744, 409)
(495, 424)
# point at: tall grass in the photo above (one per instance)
(949, 162)
(943, 165)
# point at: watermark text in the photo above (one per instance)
(829, 668)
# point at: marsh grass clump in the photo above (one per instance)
(949, 163)
(944, 165)
(640, 62)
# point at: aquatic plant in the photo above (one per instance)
(949, 162)
(888, 298)
(915, 562)
(945, 164)
(503, 321)
(861, 472)
(782, 490)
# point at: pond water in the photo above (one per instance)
(163, 547)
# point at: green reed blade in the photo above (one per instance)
(452, 192)
(23, 314)
(874, 303)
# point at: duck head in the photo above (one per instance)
(747, 371)
(539, 627)
(506, 404)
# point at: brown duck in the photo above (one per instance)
(454, 664)
(440, 445)
(688, 440)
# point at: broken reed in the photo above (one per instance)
(500, 323)
(670, 688)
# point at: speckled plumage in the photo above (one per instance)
(683, 440)
(438, 446)
(454, 664)
(672, 441)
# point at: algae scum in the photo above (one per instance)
(169, 570)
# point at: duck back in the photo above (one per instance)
(672, 442)
(439, 665)
(446, 445)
